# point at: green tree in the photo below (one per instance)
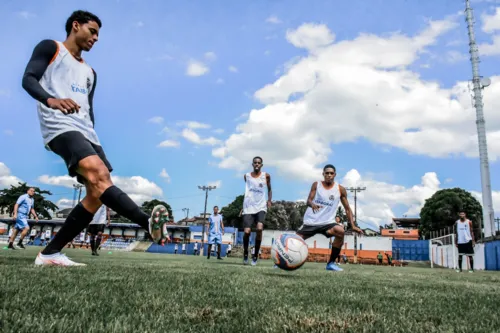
(232, 211)
(43, 207)
(342, 214)
(441, 210)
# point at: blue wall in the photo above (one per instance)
(415, 250)
(170, 248)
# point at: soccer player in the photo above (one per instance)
(22, 210)
(215, 232)
(63, 85)
(464, 238)
(319, 218)
(96, 228)
(255, 206)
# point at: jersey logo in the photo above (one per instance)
(79, 89)
(332, 197)
(89, 84)
(261, 185)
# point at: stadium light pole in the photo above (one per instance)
(479, 84)
(206, 189)
(356, 190)
(77, 187)
(187, 214)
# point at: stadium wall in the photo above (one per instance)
(492, 255)
(447, 256)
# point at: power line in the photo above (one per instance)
(206, 189)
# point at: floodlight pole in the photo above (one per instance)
(488, 212)
(356, 190)
(187, 214)
(206, 189)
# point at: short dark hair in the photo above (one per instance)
(81, 17)
(329, 166)
(260, 158)
(216, 206)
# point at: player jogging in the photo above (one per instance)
(64, 85)
(96, 228)
(464, 238)
(255, 206)
(22, 210)
(215, 232)
(319, 218)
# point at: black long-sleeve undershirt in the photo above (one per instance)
(42, 55)
(40, 60)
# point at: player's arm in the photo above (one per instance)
(472, 232)
(91, 98)
(347, 208)
(310, 198)
(34, 214)
(108, 213)
(16, 207)
(455, 229)
(41, 58)
(222, 225)
(269, 191)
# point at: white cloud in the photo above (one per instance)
(6, 178)
(233, 69)
(359, 89)
(64, 203)
(455, 56)
(210, 56)
(138, 188)
(491, 23)
(217, 183)
(196, 68)
(193, 137)
(169, 144)
(165, 175)
(193, 124)
(273, 19)
(8, 132)
(156, 120)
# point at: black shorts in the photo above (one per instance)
(73, 147)
(250, 219)
(311, 230)
(94, 229)
(466, 248)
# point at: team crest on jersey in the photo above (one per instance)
(261, 185)
(332, 197)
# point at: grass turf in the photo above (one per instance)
(139, 292)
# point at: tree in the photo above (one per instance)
(231, 212)
(442, 209)
(9, 196)
(147, 207)
(341, 213)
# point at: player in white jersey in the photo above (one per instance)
(63, 85)
(96, 228)
(255, 206)
(319, 218)
(464, 238)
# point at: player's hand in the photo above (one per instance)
(358, 230)
(269, 204)
(315, 208)
(65, 105)
(14, 217)
(36, 220)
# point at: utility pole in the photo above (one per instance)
(206, 189)
(479, 84)
(497, 220)
(356, 190)
(77, 187)
(187, 215)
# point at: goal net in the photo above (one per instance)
(443, 252)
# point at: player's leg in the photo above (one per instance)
(210, 243)
(460, 256)
(336, 231)
(470, 254)
(13, 238)
(98, 240)
(219, 246)
(261, 216)
(247, 229)
(23, 234)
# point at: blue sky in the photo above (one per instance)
(215, 80)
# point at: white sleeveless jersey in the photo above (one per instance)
(255, 194)
(463, 232)
(66, 77)
(100, 216)
(328, 200)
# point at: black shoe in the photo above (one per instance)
(93, 253)
(208, 257)
(21, 246)
(96, 253)
(219, 258)
(11, 246)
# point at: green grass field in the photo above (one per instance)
(139, 292)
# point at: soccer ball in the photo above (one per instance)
(289, 252)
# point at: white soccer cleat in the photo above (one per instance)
(56, 259)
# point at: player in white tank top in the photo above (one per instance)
(323, 201)
(63, 84)
(255, 205)
(464, 238)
